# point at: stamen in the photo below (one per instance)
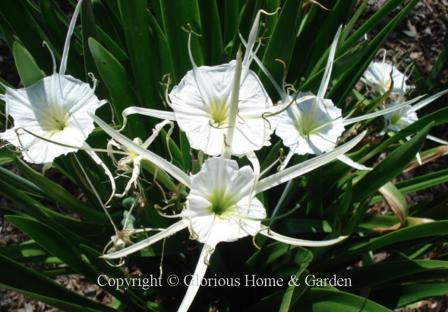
(53, 59)
(94, 80)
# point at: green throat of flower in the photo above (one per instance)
(395, 119)
(219, 114)
(54, 123)
(306, 127)
(221, 203)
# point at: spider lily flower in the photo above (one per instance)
(204, 105)
(400, 119)
(312, 124)
(221, 205)
(131, 163)
(381, 76)
(55, 109)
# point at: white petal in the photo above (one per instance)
(306, 166)
(382, 112)
(310, 127)
(300, 242)
(222, 176)
(437, 140)
(70, 31)
(173, 229)
(157, 160)
(198, 275)
(146, 112)
(193, 110)
(378, 76)
(327, 74)
(350, 162)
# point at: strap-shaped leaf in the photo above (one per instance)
(390, 167)
(31, 283)
(142, 53)
(28, 70)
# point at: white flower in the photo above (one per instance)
(52, 116)
(201, 105)
(221, 205)
(312, 126)
(56, 108)
(380, 75)
(221, 107)
(401, 118)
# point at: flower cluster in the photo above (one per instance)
(225, 112)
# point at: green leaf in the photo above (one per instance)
(21, 21)
(387, 272)
(415, 292)
(293, 292)
(28, 70)
(423, 182)
(324, 300)
(282, 41)
(176, 16)
(211, 31)
(142, 53)
(88, 31)
(50, 240)
(6, 156)
(389, 167)
(18, 182)
(59, 194)
(117, 82)
(405, 235)
(31, 283)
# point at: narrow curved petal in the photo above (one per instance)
(306, 166)
(437, 140)
(70, 31)
(327, 74)
(300, 242)
(198, 275)
(381, 112)
(428, 100)
(157, 160)
(350, 162)
(171, 230)
(166, 115)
